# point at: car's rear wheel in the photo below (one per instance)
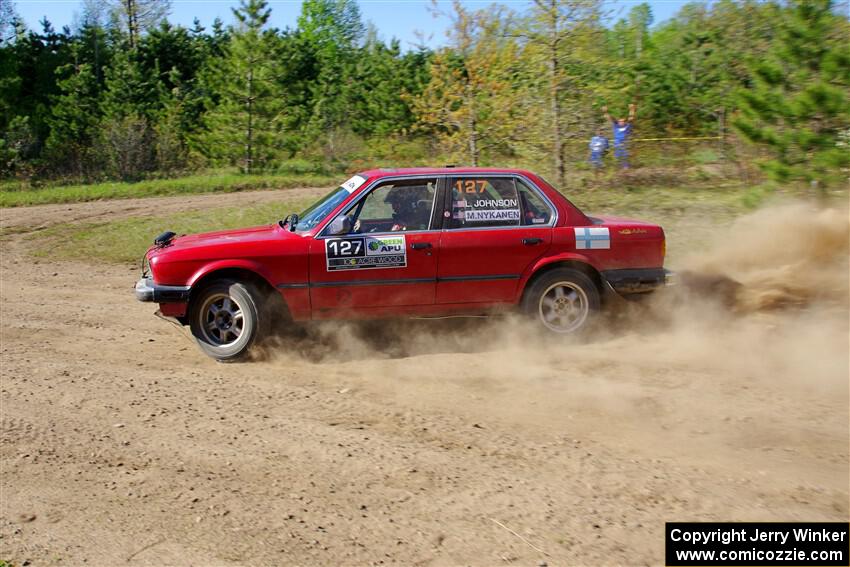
(564, 301)
(224, 318)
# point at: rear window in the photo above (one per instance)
(535, 211)
(484, 202)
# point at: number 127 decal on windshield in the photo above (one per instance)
(366, 252)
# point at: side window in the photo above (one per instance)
(484, 202)
(535, 211)
(394, 206)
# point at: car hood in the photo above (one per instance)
(237, 243)
(225, 237)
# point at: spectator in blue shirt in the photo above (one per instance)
(622, 130)
(598, 147)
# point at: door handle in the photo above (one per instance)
(420, 245)
(531, 241)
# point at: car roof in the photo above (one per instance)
(386, 172)
(565, 207)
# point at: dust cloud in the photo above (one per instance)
(783, 256)
(749, 349)
(768, 298)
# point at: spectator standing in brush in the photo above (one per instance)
(622, 130)
(598, 147)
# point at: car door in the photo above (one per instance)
(496, 226)
(384, 254)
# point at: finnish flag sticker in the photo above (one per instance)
(593, 238)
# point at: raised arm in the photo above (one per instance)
(605, 113)
(632, 110)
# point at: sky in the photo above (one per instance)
(406, 20)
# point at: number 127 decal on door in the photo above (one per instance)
(366, 252)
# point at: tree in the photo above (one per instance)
(640, 18)
(469, 102)
(799, 104)
(8, 22)
(173, 126)
(692, 65)
(130, 106)
(383, 83)
(16, 147)
(245, 119)
(172, 58)
(10, 82)
(74, 121)
(130, 88)
(552, 31)
(332, 31)
(140, 15)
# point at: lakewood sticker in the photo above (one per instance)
(593, 238)
(365, 252)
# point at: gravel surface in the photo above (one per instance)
(417, 443)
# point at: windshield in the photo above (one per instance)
(318, 211)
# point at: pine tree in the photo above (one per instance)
(74, 121)
(172, 58)
(799, 105)
(130, 88)
(332, 29)
(172, 126)
(245, 121)
(384, 81)
(130, 105)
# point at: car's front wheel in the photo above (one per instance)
(224, 318)
(563, 301)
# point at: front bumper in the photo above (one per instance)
(639, 280)
(146, 290)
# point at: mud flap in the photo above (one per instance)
(610, 297)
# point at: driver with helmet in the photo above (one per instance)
(410, 211)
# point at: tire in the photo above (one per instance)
(224, 319)
(563, 301)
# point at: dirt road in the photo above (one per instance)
(429, 443)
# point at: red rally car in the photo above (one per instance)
(405, 242)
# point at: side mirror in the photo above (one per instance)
(340, 225)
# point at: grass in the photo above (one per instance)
(124, 241)
(15, 195)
